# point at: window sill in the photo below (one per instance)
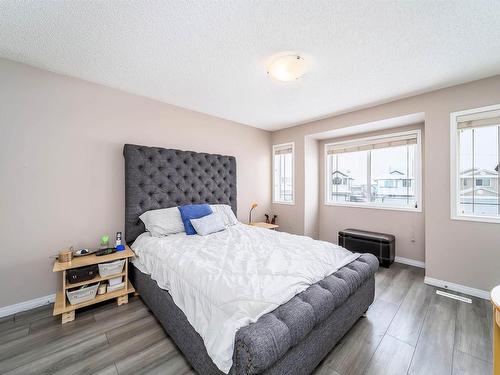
(377, 207)
(477, 219)
(285, 203)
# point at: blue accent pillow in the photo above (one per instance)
(193, 211)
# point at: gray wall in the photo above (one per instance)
(62, 172)
(456, 251)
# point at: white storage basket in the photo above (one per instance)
(115, 281)
(112, 268)
(82, 295)
(112, 288)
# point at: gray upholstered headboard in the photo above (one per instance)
(160, 178)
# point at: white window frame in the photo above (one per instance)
(381, 206)
(454, 165)
(292, 202)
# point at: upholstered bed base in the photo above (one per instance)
(292, 339)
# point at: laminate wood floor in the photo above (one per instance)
(408, 330)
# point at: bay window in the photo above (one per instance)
(379, 172)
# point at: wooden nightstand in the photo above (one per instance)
(62, 305)
(262, 224)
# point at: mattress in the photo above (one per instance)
(225, 281)
(279, 343)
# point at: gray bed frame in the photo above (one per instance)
(294, 338)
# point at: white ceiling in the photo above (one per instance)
(210, 56)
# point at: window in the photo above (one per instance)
(389, 183)
(475, 163)
(380, 172)
(348, 175)
(283, 175)
(483, 182)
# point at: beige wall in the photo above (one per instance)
(62, 174)
(456, 251)
(409, 227)
(311, 193)
(61, 166)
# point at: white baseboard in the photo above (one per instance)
(410, 262)
(457, 288)
(26, 305)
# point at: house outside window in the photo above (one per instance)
(475, 161)
(378, 172)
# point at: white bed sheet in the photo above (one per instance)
(226, 280)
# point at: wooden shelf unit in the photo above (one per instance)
(62, 305)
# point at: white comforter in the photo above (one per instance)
(229, 279)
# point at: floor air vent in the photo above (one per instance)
(453, 296)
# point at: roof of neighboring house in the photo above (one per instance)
(479, 172)
(343, 174)
(394, 175)
(477, 188)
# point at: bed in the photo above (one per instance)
(292, 338)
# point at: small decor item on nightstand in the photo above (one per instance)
(102, 289)
(273, 220)
(109, 250)
(118, 243)
(250, 213)
(267, 218)
(82, 252)
(65, 256)
(104, 242)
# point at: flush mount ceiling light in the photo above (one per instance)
(287, 68)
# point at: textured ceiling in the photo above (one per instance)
(210, 56)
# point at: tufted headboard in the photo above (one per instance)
(160, 178)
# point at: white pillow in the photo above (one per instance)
(163, 222)
(208, 224)
(227, 214)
